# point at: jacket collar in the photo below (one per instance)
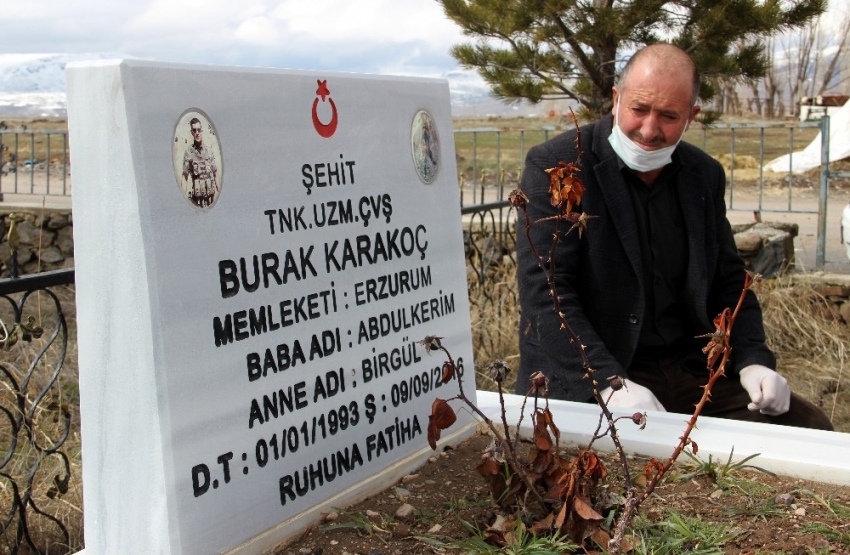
(615, 193)
(691, 188)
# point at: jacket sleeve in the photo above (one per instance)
(747, 335)
(545, 347)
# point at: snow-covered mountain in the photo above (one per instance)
(33, 85)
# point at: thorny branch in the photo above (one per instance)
(442, 415)
(717, 353)
(566, 190)
(562, 489)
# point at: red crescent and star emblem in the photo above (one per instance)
(324, 129)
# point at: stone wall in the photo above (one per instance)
(45, 240)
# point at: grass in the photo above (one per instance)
(454, 506)
(495, 320)
(488, 151)
(48, 425)
(517, 540)
(360, 523)
(678, 534)
(35, 143)
(831, 533)
(812, 346)
(492, 151)
(720, 474)
(831, 505)
(756, 508)
(717, 141)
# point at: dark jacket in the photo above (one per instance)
(599, 277)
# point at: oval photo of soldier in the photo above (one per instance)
(197, 159)
(425, 146)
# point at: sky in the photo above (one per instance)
(390, 37)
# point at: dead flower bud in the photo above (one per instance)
(495, 451)
(616, 383)
(431, 343)
(498, 370)
(518, 199)
(579, 222)
(539, 383)
(719, 339)
(639, 418)
(754, 281)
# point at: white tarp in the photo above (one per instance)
(804, 160)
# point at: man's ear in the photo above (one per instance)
(694, 111)
(615, 98)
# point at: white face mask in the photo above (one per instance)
(636, 158)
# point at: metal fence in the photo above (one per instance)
(33, 465)
(34, 163)
(490, 162)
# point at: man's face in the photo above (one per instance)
(655, 106)
(197, 132)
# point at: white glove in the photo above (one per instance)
(632, 396)
(768, 390)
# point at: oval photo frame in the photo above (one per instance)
(425, 147)
(197, 159)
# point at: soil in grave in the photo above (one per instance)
(764, 514)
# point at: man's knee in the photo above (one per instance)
(804, 414)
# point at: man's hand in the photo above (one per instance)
(632, 396)
(768, 390)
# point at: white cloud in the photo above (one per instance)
(261, 30)
(380, 21)
(370, 36)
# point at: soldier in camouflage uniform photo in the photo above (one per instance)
(199, 169)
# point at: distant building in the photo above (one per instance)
(814, 107)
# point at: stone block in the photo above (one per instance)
(51, 255)
(748, 243)
(65, 243)
(57, 221)
(776, 253)
(33, 236)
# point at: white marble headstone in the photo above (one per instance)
(257, 254)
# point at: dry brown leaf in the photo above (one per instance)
(565, 189)
(448, 371)
(585, 511)
(442, 416)
(562, 517)
(544, 526)
(601, 538)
